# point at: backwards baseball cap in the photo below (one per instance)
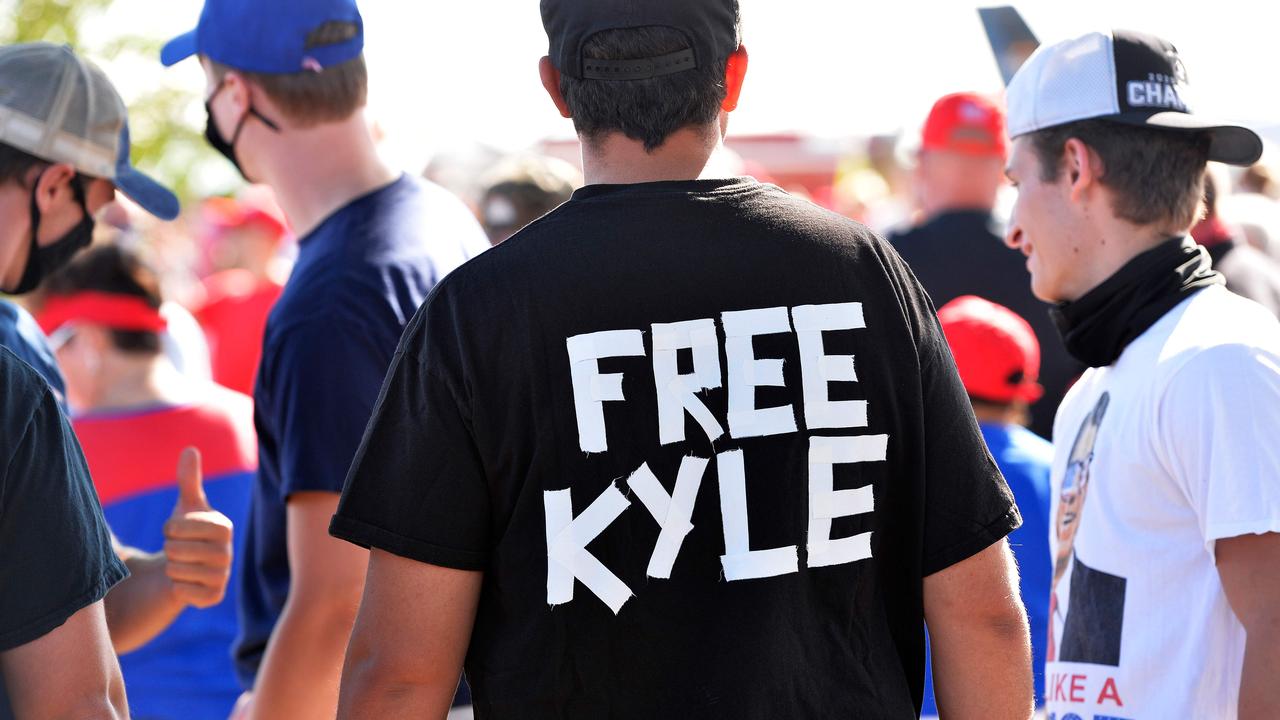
(709, 26)
(63, 109)
(1118, 76)
(995, 350)
(275, 37)
(966, 123)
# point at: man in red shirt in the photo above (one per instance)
(244, 238)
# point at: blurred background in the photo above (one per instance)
(457, 82)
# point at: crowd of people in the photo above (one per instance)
(986, 433)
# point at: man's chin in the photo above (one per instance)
(1045, 292)
(1041, 295)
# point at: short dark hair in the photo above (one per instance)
(1156, 176)
(113, 269)
(647, 110)
(310, 98)
(14, 164)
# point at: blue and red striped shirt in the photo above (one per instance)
(186, 672)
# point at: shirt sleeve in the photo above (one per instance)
(967, 503)
(57, 556)
(1217, 430)
(324, 383)
(417, 487)
(24, 338)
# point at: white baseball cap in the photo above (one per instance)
(1118, 76)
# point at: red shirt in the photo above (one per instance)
(233, 317)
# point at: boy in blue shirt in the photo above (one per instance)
(998, 357)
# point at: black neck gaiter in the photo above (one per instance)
(1097, 327)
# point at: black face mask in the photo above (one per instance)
(1100, 325)
(41, 261)
(216, 140)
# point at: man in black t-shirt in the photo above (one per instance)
(681, 448)
(958, 249)
(56, 658)
(64, 153)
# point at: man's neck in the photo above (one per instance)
(618, 160)
(322, 169)
(1012, 414)
(1116, 243)
(136, 381)
(932, 213)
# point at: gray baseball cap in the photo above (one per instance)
(63, 109)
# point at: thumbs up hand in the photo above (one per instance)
(197, 546)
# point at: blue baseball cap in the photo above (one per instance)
(275, 37)
(139, 187)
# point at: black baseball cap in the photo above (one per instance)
(1119, 76)
(710, 26)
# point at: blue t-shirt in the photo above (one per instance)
(359, 278)
(24, 338)
(1025, 459)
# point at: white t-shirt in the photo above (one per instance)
(1176, 445)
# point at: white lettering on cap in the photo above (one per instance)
(1154, 94)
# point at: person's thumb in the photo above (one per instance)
(191, 497)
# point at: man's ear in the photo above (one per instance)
(243, 95)
(54, 186)
(1083, 167)
(735, 71)
(551, 82)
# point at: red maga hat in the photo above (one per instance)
(995, 349)
(224, 214)
(966, 123)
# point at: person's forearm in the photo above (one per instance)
(1259, 691)
(142, 605)
(983, 670)
(302, 666)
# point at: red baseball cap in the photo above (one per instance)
(224, 214)
(966, 123)
(995, 350)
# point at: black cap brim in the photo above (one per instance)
(1230, 144)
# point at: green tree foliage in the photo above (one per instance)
(163, 144)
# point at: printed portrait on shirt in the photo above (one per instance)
(1087, 626)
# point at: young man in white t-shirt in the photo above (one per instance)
(1166, 476)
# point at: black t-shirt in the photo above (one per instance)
(57, 557)
(963, 253)
(557, 394)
